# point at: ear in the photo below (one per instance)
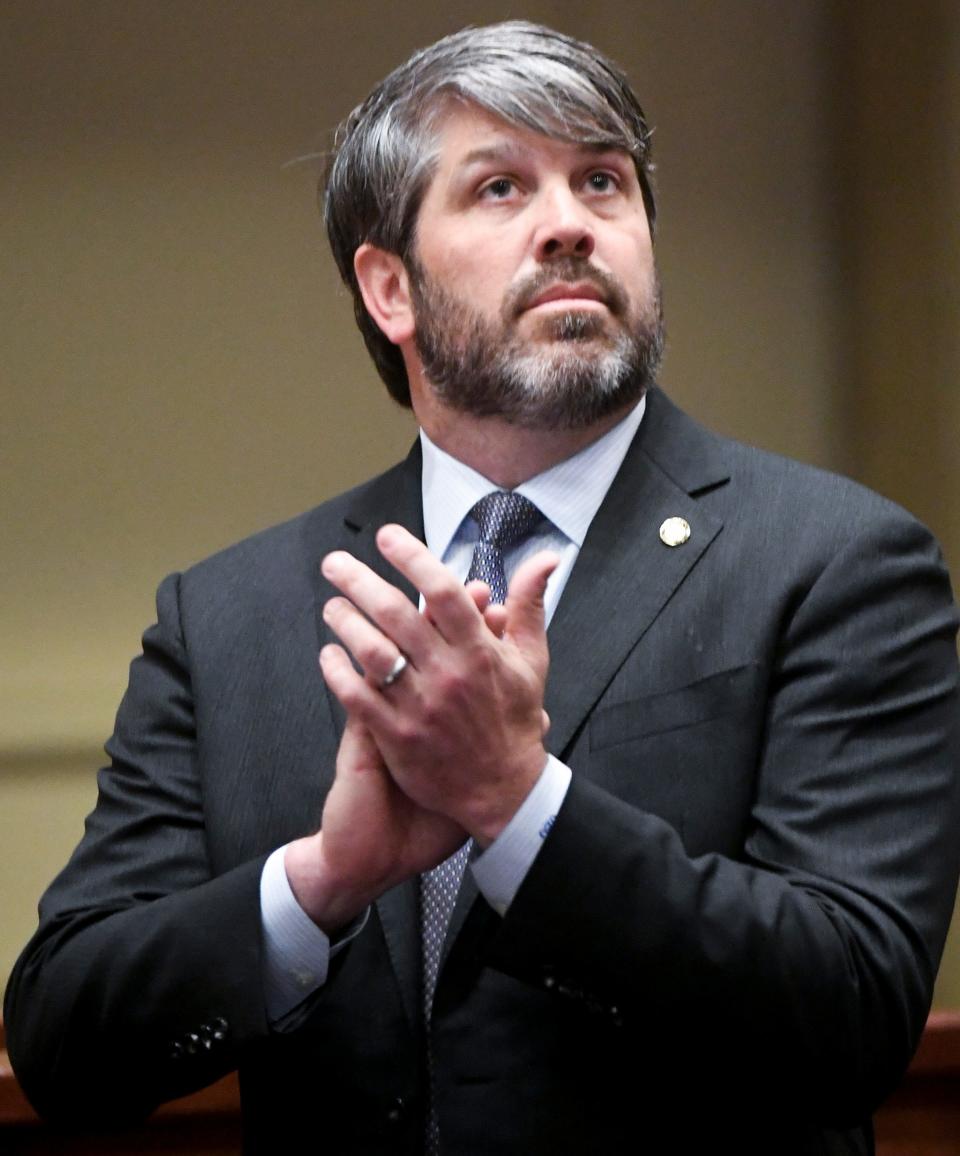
(385, 288)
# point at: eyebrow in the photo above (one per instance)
(508, 151)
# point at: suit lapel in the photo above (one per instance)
(622, 579)
(392, 497)
(625, 574)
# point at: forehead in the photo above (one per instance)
(468, 135)
(460, 126)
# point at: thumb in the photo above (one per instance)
(358, 752)
(524, 606)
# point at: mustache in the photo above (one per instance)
(574, 270)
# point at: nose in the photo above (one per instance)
(565, 227)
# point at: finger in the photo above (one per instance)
(358, 698)
(479, 592)
(384, 605)
(375, 653)
(495, 616)
(448, 604)
(524, 606)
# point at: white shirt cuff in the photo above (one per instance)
(501, 869)
(296, 952)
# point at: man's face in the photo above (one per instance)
(533, 280)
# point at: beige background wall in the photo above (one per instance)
(180, 367)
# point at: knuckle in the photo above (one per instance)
(449, 685)
(433, 713)
(443, 595)
(352, 697)
(391, 610)
(366, 652)
(406, 733)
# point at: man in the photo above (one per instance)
(705, 866)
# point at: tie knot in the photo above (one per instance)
(504, 517)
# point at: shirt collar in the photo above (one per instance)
(569, 493)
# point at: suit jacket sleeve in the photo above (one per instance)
(804, 962)
(144, 979)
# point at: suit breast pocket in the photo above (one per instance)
(687, 754)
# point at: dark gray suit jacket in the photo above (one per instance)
(730, 934)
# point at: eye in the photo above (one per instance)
(499, 189)
(602, 181)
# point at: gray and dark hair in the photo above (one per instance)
(385, 152)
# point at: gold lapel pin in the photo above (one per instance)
(674, 531)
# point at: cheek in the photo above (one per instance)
(480, 284)
(636, 269)
(452, 262)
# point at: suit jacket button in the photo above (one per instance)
(208, 1036)
(218, 1028)
(397, 1111)
(176, 1050)
(191, 1043)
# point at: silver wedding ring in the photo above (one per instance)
(399, 666)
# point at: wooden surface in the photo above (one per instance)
(921, 1119)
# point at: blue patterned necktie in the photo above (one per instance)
(503, 520)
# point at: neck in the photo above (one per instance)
(506, 454)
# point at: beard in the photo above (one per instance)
(572, 371)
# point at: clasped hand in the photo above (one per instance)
(450, 749)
